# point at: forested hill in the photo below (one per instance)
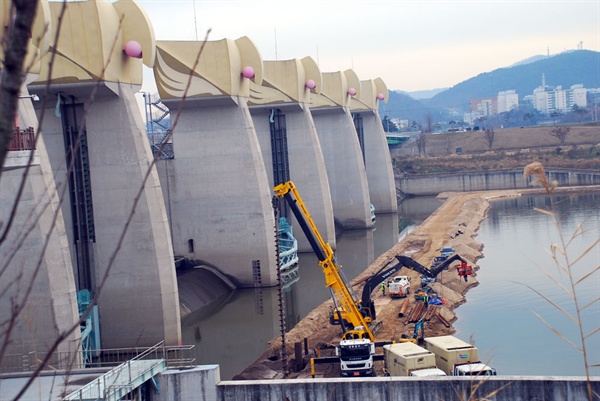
(564, 69)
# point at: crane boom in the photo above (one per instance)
(347, 305)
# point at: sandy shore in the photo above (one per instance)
(460, 211)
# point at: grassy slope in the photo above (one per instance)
(512, 149)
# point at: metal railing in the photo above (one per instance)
(175, 357)
(23, 139)
(125, 377)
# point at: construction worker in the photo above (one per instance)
(383, 288)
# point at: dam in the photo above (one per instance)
(113, 219)
(114, 215)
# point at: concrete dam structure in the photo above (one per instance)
(38, 302)
(378, 161)
(280, 109)
(216, 186)
(339, 140)
(98, 150)
(110, 220)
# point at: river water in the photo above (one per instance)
(503, 314)
(498, 313)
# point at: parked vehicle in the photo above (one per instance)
(408, 359)
(399, 286)
(457, 357)
(447, 251)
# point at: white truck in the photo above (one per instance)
(356, 357)
(408, 359)
(457, 357)
(399, 286)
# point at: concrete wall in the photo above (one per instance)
(35, 252)
(513, 388)
(307, 167)
(435, 184)
(202, 384)
(345, 167)
(378, 162)
(217, 190)
(196, 384)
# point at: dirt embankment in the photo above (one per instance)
(454, 223)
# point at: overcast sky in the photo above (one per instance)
(411, 45)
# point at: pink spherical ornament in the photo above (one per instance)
(133, 49)
(310, 84)
(352, 91)
(380, 96)
(248, 72)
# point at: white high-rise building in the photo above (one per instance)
(507, 101)
(579, 95)
(548, 100)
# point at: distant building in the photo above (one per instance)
(507, 101)
(484, 107)
(548, 100)
(401, 124)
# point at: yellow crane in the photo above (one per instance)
(357, 345)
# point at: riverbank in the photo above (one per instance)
(460, 211)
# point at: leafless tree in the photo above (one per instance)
(429, 122)
(489, 137)
(421, 142)
(560, 133)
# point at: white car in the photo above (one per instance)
(447, 251)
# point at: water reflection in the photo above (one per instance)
(237, 333)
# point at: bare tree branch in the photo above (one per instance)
(11, 76)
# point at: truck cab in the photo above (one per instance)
(356, 357)
(474, 369)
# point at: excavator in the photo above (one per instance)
(367, 306)
(429, 275)
(356, 349)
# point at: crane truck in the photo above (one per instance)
(356, 349)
